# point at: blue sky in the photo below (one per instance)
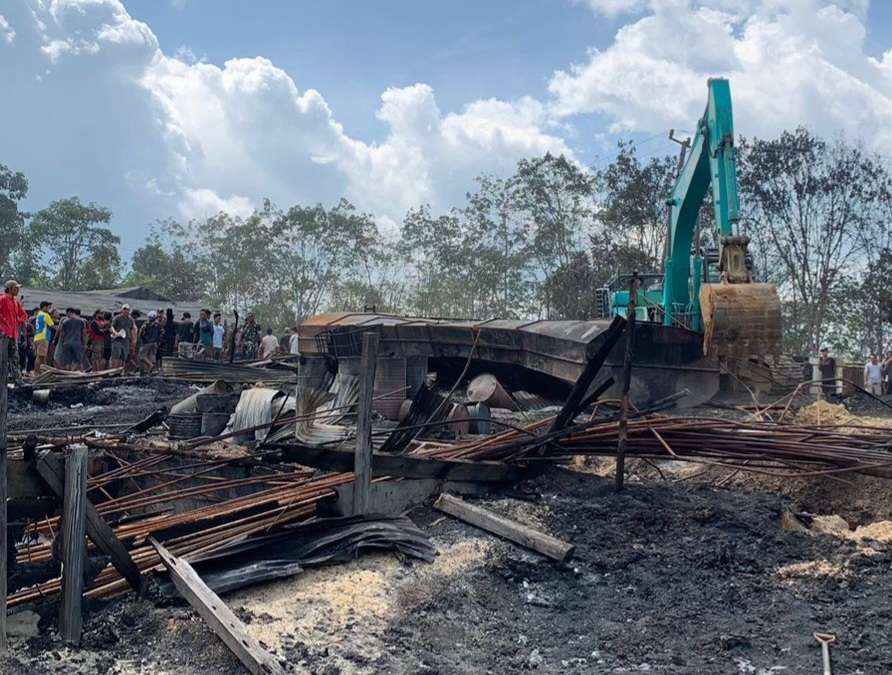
(180, 108)
(352, 51)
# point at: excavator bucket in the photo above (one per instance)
(741, 320)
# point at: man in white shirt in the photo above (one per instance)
(873, 376)
(269, 345)
(219, 332)
(294, 342)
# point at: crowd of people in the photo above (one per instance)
(877, 373)
(126, 339)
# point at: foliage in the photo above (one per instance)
(536, 243)
(812, 208)
(13, 189)
(633, 198)
(163, 265)
(78, 254)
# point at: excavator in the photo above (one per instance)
(708, 290)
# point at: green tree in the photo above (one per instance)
(167, 267)
(321, 253)
(813, 209)
(77, 253)
(13, 243)
(557, 201)
(633, 202)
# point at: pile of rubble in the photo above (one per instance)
(266, 473)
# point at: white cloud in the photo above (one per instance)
(114, 119)
(187, 137)
(204, 202)
(790, 62)
(6, 31)
(613, 8)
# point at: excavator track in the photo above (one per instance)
(741, 320)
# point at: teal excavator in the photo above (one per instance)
(710, 291)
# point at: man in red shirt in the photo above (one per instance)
(12, 316)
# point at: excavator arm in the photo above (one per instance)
(738, 317)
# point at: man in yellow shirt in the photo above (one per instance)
(43, 334)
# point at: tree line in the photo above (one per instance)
(534, 244)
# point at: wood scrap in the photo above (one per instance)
(513, 531)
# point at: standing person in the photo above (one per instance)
(204, 331)
(184, 330)
(827, 370)
(97, 339)
(219, 332)
(71, 341)
(873, 376)
(26, 355)
(169, 334)
(250, 339)
(53, 353)
(12, 317)
(149, 340)
(294, 342)
(43, 334)
(106, 353)
(123, 332)
(269, 345)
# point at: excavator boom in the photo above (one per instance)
(738, 318)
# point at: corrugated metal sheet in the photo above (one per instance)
(257, 406)
(390, 387)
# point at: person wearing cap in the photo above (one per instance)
(827, 370)
(43, 334)
(149, 339)
(123, 337)
(12, 316)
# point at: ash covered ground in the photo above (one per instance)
(674, 576)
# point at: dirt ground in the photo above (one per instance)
(673, 576)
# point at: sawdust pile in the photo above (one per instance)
(812, 568)
(822, 413)
(839, 527)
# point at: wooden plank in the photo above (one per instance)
(4, 371)
(513, 531)
(219, 617)
(404, 466)
(74, 545)
(51, 470)
(363, 462)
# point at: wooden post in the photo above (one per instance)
(509, 529)
(363, 462)
(593, 365)
(74, 549)
(219, 617)
(52, 471)
(4, 367)
(627, 380)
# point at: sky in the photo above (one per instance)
(181, 108)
